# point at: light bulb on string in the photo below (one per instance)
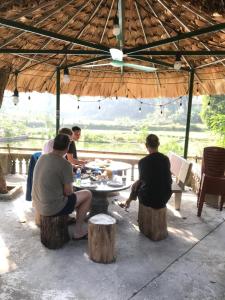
(116, 27)
(161, 110)
(99, 106)
(140, 107)
(78, 107)
(181, 102)
(29, 97)
(178, 63)
(197, 91)
(15, 97)
(66, 75)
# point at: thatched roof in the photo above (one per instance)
(88, 25)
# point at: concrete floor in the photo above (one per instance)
(189, 264)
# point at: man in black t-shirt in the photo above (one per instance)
(72, 152)
(154, 185)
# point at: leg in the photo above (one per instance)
(177, 197)
(82, 207)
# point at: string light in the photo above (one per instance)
(177, 64)
(66, 75)
(78, 100)
(197, 90)
(15, 96)
(161, 109)
(140, 107)
(116, 27)
(180, 102)
(99, 107)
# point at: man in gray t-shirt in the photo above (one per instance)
(52, 190)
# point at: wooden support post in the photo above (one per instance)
(101, 238)
(152, 222)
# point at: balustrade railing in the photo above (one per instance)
(17, 161)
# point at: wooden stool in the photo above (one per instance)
(54, 231)
(152, 222)
(101, 238)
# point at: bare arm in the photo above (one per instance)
(68, 189)
(74, 161)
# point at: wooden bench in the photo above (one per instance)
(180, 169)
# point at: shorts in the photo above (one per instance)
(70, 206)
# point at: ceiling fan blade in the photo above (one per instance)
(140, 67)
(116, 54)
(96, 65)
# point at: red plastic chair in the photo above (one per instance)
(212, 179)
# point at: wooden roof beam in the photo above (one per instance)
(63, 51)
(178, 37)
(194, 11)
(166, 31)
(182, 22)
(51, 34)
(24, 65)
(211, 63)
(182, 52)
(145, 38)
(46, 16)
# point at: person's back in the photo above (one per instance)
(153, 188)
(155, 176)
(50, 174)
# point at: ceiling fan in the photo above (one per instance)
(117, 61)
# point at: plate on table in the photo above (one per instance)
(88, 186)
(114, 183)
(85, 176)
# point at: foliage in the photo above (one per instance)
(217, 123)
(213, 115)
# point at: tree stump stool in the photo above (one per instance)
(101, 238)
(54, 231)
(153, 222)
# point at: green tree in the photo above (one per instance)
(213, 115)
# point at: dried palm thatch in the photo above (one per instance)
(148, 27)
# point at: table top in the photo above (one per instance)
(103, 186)
(108, 164)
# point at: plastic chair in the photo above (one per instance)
(212, 179)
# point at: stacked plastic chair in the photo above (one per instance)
(213, 176)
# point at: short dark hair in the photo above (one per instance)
(61, 142)
(65, 131)
(152, 141)
(76, 128)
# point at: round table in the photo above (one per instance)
(100, 193)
